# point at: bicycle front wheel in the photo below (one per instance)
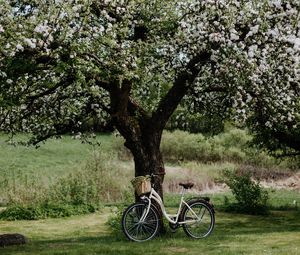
(137, 230)
(199, 219)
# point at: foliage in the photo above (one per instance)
(184, 119)
(43, 211)
(280, 142)
(250, 196)
(81, 191)
(279, 200)
(28, 175)
(95, 183)
(65, 62)
(233, 145)
(114, 222)
(179, 145)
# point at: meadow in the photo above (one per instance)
(89, 183)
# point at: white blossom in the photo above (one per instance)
(253, 31)
(296, 43)
(233, 35)
(42, 29)
(19, 47)
(215, 37)
(30, 42)
(263, 63)
(252, 50)
(277, 3)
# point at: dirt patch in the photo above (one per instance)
(275, 179)
(202, 184)
(265, 174)
(290, 183)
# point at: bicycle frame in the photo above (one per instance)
(173, 218)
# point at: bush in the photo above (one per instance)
(184, 120)
(250, 196)
(82, 191)
(114, 222)
(35, 212)
(234, 145)
(181, 145)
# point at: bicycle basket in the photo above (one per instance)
(141, 184)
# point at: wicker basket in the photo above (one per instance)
(141, 184)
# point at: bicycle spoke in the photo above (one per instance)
(138, 230)
(132, 228)
(202, 220)
(147, 229)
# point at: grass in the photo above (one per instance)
(278, 233)
(279, 199)
(28, 175)
(55, 157)
(202, 175)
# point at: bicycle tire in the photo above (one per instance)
(202, 227)
(143, 231)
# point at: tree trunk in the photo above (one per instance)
(148, 158)
(141, 129)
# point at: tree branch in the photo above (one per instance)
(182, 83)
(65, 82)
(65, 127)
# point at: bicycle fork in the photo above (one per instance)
(146, 211)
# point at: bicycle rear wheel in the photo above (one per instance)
(199, 218)
(136, 230)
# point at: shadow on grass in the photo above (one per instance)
(228, 227)
(278, 221)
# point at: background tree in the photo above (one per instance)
(135, 61)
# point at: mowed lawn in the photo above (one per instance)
(278, 233)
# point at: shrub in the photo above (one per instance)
(250, 196)
(42, 211)
(184, 120)
(114, 222)
(234, 145)
(181, 145)
(82, 191)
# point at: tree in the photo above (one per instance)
(135, 61)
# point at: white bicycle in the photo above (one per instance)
(141, 220)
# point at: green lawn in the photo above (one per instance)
(55, 157)
(278, 233)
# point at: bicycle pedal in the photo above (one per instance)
(173, 227)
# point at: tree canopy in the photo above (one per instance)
(135, 60)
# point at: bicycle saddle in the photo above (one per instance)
(188, 185)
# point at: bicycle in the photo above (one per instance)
(141, 221)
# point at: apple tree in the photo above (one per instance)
(135, 61)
